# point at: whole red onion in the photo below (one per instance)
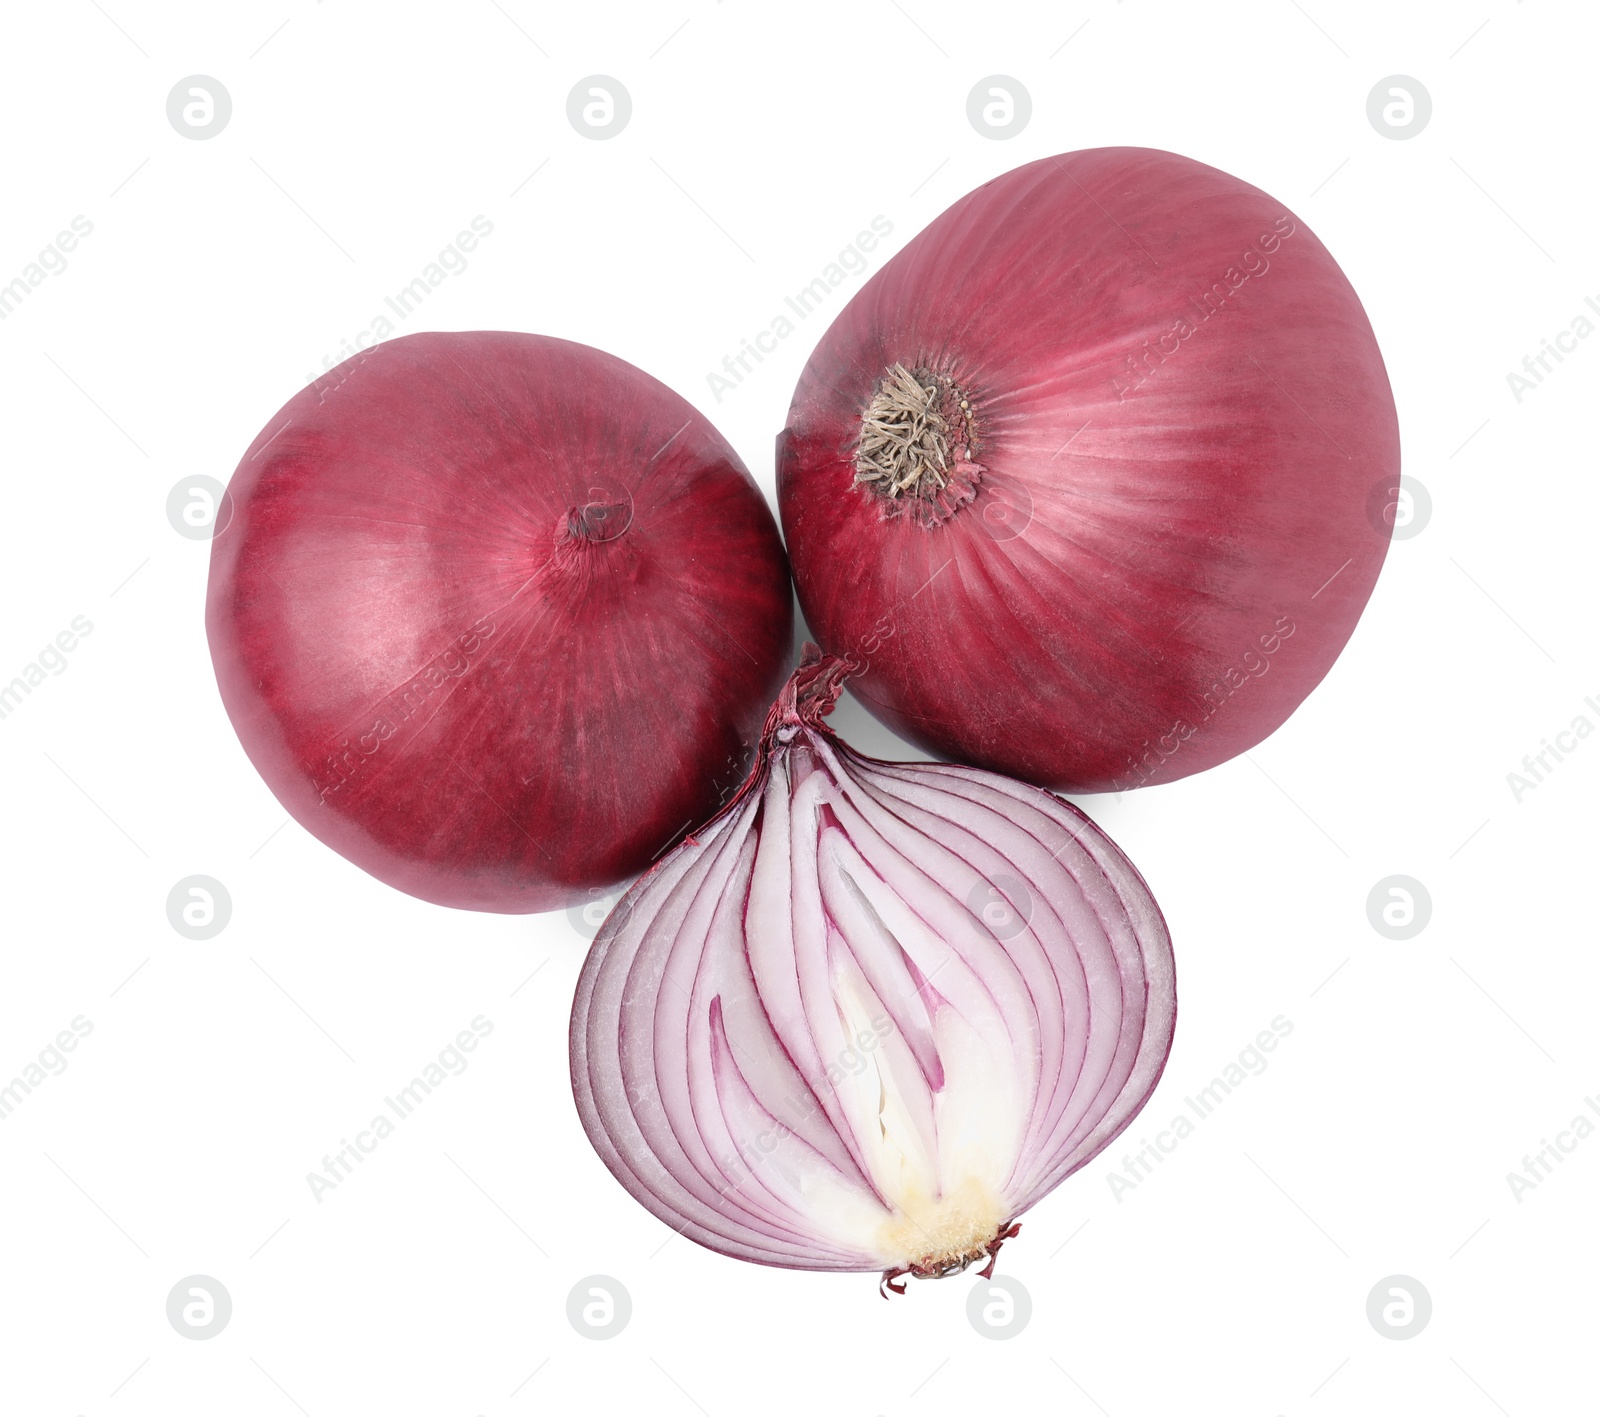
(1088, 480)
(497, 617)
(871, 1013)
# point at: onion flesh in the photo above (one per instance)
(871, 1013)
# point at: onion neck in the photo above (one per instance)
(804, 701)
(603, 518)
(807, 698)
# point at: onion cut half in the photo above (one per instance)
(873, 1011)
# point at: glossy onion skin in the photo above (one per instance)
(1159, 506)
(710, 1016)
(442, 679)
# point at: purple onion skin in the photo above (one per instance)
(1175, 533)
(702, 1046)
(496, 616)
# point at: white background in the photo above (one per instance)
(434, 1281)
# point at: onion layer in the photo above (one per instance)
(1090, 476)
(497, 616)
(871, 1013)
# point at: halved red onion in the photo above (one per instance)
(873, 1011)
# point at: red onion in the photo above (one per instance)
(871, 1013)
(1081, 478)
(496, 615)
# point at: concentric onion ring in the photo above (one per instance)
(873, 1012)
